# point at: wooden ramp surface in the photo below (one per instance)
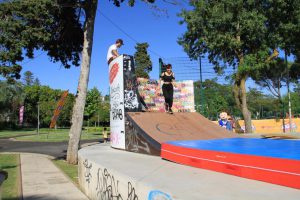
(163, 127)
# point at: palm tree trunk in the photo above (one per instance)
(78, 109)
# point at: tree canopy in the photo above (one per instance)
(50, 26)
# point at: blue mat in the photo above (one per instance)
(287, 149)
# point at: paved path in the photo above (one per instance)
(55, 149)
(42, 180)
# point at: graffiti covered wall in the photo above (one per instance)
(183, 95)
(131, 95)
(99, 182)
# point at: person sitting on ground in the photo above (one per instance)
(224, 122)
(112, 52)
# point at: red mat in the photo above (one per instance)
(274, 170)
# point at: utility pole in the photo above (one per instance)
(98, 118)
(201, 88)
(288, 87)
(283, 116)
(38, 123)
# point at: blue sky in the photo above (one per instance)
(140, 24)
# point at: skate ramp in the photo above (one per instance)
(145, 132)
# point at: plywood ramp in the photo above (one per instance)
(145, 132)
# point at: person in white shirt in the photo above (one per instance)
(112, 52)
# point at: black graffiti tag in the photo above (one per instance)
(117, 114)
(130, 99)
(87, 173)
(107, 188)
(115, 92)
(131, 193)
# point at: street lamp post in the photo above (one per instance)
(38, 118)
(289, 94)
(201, 88)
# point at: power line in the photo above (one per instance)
(124, 32)
(33, 58)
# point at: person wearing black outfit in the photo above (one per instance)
(144, 104)
(168, 79)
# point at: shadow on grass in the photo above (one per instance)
(4, 167)
(63, 156)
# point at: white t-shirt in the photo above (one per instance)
(110, 49)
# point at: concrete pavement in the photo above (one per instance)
(104, 170)
(42, 180)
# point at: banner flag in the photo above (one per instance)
(58, 109)
(21, 114)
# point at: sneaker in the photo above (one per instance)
(166, 107)
(145, 109)
(170, 111)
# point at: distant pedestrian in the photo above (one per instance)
(112, 52)
(105, 137)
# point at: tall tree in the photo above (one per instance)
(272, 77)
(11, 98)
(47, 99)
(93, 101)
(28, 78)
(233, 33)
(142, 60)
(89, 7)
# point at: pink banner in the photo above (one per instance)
(21, 114)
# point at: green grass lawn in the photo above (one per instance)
(70, 170)
(58, 137)
(28, 131)
(51, 135)
(10, 187)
